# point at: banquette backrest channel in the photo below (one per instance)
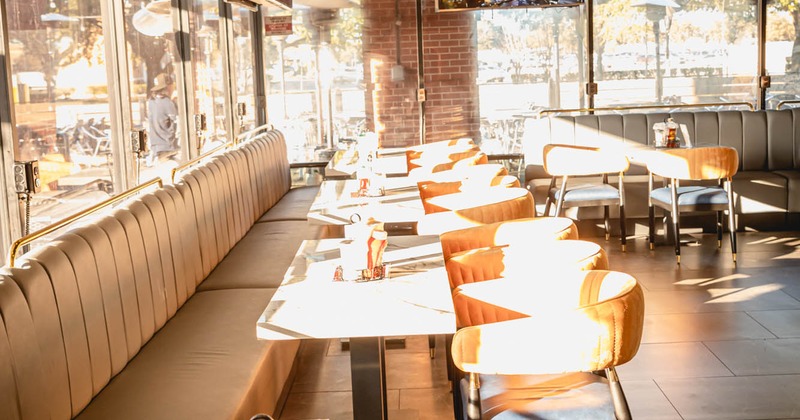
(84, 319)
(768, 143)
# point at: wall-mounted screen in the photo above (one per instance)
(457, 5)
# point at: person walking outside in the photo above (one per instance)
(162, 119)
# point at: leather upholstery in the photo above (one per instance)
(767, 142)
(104, 321)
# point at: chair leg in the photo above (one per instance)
(432, 345)
(451, 367)
(676, 217)
(606, 222)
(651, 225)
(561, 194)
(623, 233)
(474, 398)
(719, 229)
(621, 409)
(549, 199)
(732, 220)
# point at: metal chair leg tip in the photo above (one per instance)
(433, 353)
(734, 257)
(719, 244)
(608, 236)
(678, 258)
(624, 248)
(652, 246)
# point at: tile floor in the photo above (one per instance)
(721, 341)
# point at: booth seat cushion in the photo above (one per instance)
(793, 183)
(260, 259)
(206, 363)
(293, 206)
(760, 192)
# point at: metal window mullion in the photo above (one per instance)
(119, 98)
(185, 77)
(589, 45)
(9, 208)
(762, 53)
(225, 45)
(259, 69)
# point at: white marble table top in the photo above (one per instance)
(414, 299)
(334, 203)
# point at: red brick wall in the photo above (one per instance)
(450, 54)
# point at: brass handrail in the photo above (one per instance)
(196, 160)
(12, 254)
(782, 103)
(255, 130)
(629, 108)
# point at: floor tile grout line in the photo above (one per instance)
(667, 398)
(703, 343)
(762, 325)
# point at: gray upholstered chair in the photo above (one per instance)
(563, 161)
(718, 163)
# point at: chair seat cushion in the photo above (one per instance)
(691, 196)
(206, 363)
(587, 192)
(569, 396)
(293, 205)
(260, 259)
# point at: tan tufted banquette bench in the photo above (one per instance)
(768, 142)
(149, 312)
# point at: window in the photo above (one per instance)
(783, 53)
(528, 60)
(152, 55)
(700, 52)
(315, 80)
(207, 62)
(243, 66)
(60, 91)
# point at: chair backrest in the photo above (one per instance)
(495, 204)
(594, 321)
(699, 163)
(473, 185)
(463, 172)
(564, 159)
(506, 232)
(439, 158)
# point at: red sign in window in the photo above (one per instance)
(277, 25)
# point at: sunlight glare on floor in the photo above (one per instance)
(741, 295)
(710, 281)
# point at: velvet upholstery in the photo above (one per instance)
(538, 362)
(466, 209)
(506, 232)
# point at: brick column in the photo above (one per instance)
(450, 54)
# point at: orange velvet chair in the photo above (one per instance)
(431, 154)
(577, 325)
(466, 209)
